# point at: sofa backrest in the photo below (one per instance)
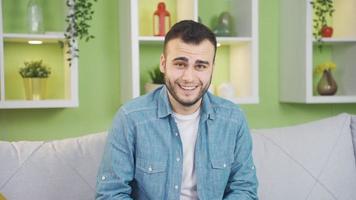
(353, 132)
(311, 161)
(63, 169)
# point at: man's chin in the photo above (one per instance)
(188, 102)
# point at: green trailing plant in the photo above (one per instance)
(35, 69)
(322, 10)
(80, 14)
(156, 75)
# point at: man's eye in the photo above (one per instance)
(180, 65)
(200, 67)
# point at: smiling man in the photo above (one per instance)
(180, 141)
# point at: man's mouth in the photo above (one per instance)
(189, 88)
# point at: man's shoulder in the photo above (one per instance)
(219, 102)
(142, 103)
(224, 107)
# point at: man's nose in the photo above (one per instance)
(188, 73)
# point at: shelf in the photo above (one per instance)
(237, 56)
(22, 37)
(151, 39)
(300, 54)
(233, 40)
(337, 40)
(332, 99)
(246, 100)
(39, 104)
(62, 84)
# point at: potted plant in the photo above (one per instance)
(35, 75)
(157, 78)
(327, 84)
(322, 10)
(78, 18)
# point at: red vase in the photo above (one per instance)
(161, 20)
(327, 31)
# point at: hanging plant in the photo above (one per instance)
(322, 10)
(79, 15)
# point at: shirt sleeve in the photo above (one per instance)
(242, 182)
(117, 166)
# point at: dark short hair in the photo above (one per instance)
(190, 32)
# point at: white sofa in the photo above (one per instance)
(314, 161)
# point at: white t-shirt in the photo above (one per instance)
(188, 129)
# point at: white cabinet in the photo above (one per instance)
(62, 85)
(237, 56)
(300, 54)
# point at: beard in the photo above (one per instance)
(172, 87)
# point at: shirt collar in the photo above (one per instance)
(165, 109)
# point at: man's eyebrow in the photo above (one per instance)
(181, 59)
(202, 62)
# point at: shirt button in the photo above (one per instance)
(176, 187)
(103, 178)
(224, 165)
(150, 169)
(178, 159)
(176, 134)
(253, 167)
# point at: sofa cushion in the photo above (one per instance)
(62, 169)
(353, 132)
(309, 161)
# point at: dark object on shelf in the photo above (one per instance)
(327, 85)
(224, 26)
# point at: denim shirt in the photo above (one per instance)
(142, 157)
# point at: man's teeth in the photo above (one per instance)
(188, 87)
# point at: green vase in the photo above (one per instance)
(224, 26)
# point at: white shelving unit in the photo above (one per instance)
(11, 81)
(237, 62)
(300, 54)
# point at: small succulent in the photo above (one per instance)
(156, 75)
(35, 69)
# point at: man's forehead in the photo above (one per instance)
(178, 46)
(180, 42)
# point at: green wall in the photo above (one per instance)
(99, 87)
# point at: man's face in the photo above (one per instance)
(187, 70)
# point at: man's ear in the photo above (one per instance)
(162, 63)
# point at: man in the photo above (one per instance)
(179, 141)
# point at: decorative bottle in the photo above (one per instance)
(34, 17)
(161, 20)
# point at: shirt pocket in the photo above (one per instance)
(151, 176)
(219, 176)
